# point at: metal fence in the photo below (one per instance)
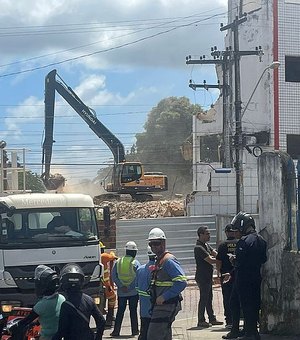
(181, 233)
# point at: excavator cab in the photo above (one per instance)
(123, 174)
(130, 178)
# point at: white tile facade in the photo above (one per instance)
(257, 31)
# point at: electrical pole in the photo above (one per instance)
(220, 58)
(225, 59)
(238, 138)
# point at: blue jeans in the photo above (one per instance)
(122, 303)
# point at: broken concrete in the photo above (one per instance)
(153, 209)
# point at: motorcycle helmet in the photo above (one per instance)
(242, 221)
(46, 281)
(71, 277)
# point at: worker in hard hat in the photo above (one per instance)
(108, 259)
(167, 282)
(143, 279)
(123, 275)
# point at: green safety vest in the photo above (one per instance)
(126, 270)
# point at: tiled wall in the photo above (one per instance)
(289, 93)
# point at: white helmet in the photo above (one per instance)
(156, 234)
(131, 245)
(150, 252)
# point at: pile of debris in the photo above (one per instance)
(153, 209)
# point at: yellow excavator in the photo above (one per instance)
(127, 177)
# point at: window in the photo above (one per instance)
(292, 69)
(293, 146)
(49, 225)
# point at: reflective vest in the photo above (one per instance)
(126, 270)
(161, 281)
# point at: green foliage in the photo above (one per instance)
(32, 180)
(169, 124)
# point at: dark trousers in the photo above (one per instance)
(226, 292)
(205, 301)
(249, 292)
(144, 328)
(122, 302)
(160, 327)
(235, 307)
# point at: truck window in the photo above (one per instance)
(49, 225)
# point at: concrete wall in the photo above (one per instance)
(222, 197)
(281, 284)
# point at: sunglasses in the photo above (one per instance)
(155, 243)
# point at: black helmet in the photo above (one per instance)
(71, 277)
(46, 281)
(242, 221)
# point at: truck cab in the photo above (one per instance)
(49, 229)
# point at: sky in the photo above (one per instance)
(120, 57)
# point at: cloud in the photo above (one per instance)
(25, 113)
(157, 33)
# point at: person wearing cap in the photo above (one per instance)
(205, 257)
(143, 279)
(226, 249)
(167, 282)
(123, 275)
(108, 259)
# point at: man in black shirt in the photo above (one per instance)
(224, 266)
(75, 312)
(205, 257)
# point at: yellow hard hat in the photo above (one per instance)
(101, 245)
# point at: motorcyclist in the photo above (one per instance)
(47, 308)
(76, 311)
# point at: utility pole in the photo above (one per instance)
(238, 140)
(226, 58)
(220, 58)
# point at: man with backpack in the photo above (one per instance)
(75, 313)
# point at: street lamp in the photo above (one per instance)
(274, 65)
(239, 143)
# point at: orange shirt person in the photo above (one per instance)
(107, 259)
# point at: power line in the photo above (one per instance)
(107, 49)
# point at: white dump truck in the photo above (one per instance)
(49, 229)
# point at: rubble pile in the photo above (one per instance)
(153, 209)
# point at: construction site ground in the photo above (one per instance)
(184, 327)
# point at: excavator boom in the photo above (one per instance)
(128, 177)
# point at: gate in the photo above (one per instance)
(181, 233)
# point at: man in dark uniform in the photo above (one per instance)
(224, 266)
(251, 253)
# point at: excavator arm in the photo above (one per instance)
(127, 177)
(52, 84)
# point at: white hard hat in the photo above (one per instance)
(131, 245)
(156, 234)
(150, 252)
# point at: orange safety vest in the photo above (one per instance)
(107, 259)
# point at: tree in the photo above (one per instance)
(32, 180)
(169, 124)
